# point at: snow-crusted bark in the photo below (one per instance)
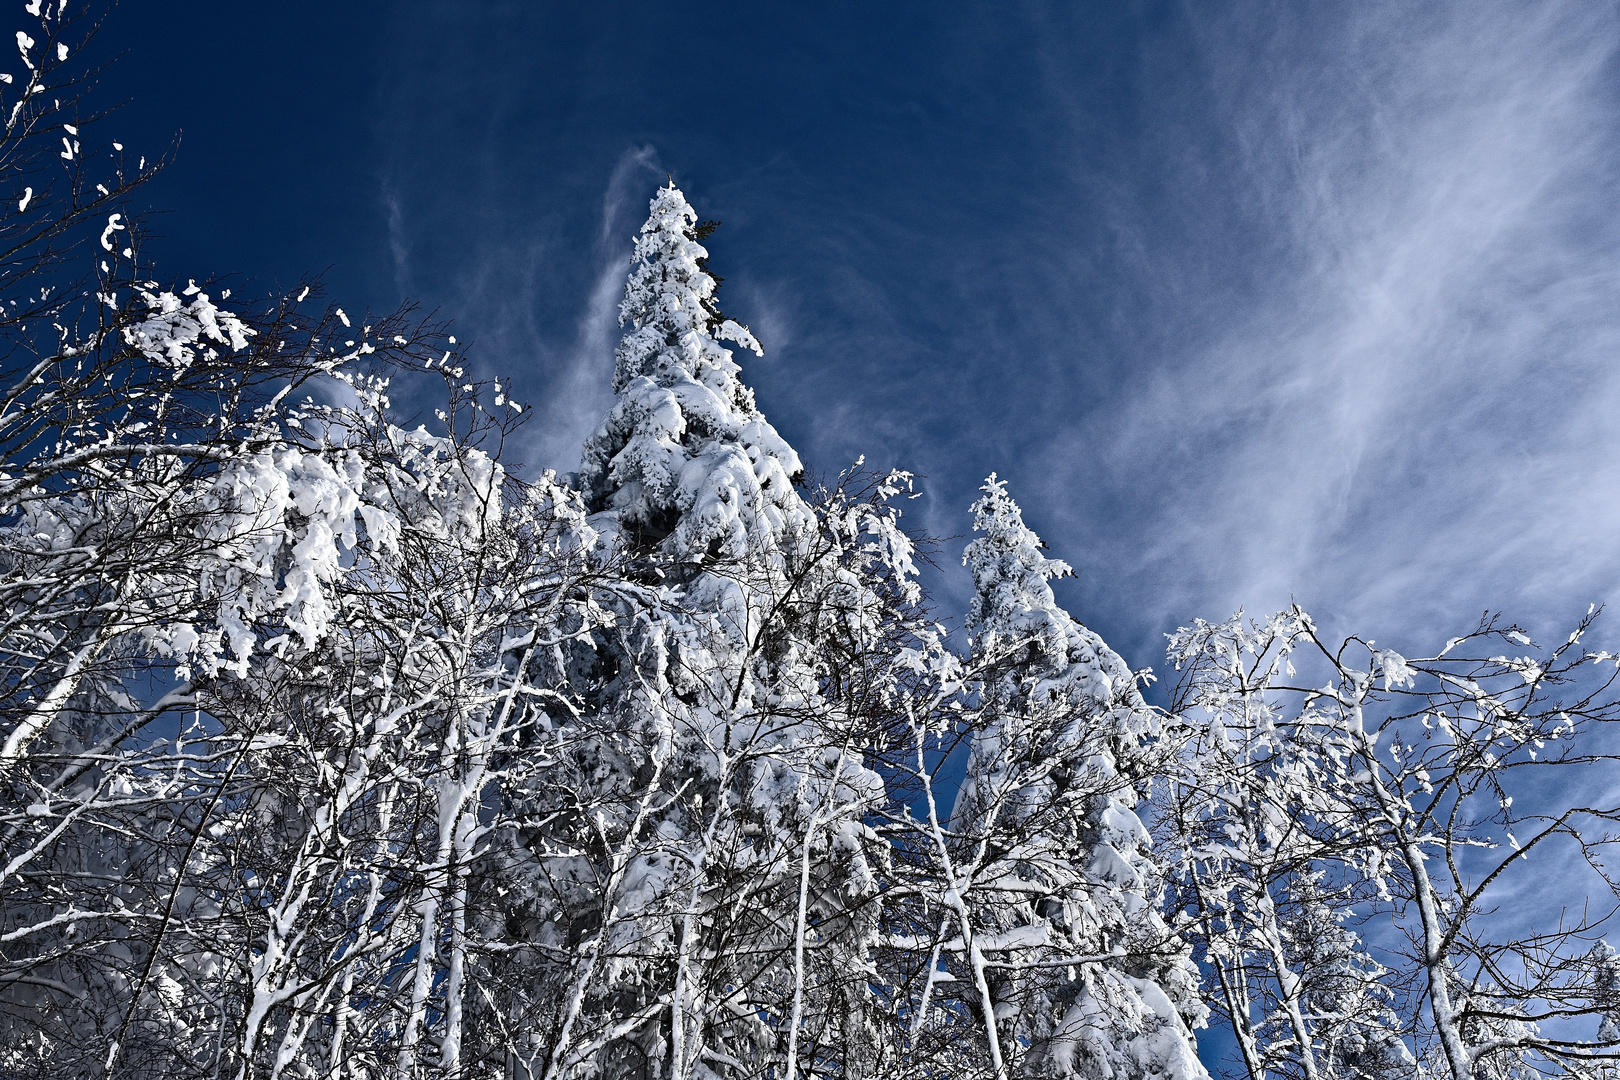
(1059, 893)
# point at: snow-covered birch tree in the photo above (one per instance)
(1290, 976)
(1422, 790)
(236, 749)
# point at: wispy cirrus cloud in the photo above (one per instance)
(1248, 302)
(1411, 415)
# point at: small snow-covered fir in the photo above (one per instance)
(1045, 819)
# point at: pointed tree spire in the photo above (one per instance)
(685, 461)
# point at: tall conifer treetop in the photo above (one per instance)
(685, 460)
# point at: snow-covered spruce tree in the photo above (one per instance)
(684, 461)
(697, 889)
(1604, 964)
(1061, 964)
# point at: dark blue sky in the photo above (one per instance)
(1247, 301)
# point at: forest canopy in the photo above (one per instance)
(333, 746)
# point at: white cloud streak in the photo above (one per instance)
(397, 248)
(581, 392)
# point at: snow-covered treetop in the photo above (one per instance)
(1009, 572)
(1013, 607)
(685, 460)
(671, 301)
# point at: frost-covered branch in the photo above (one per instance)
(1419, 789)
